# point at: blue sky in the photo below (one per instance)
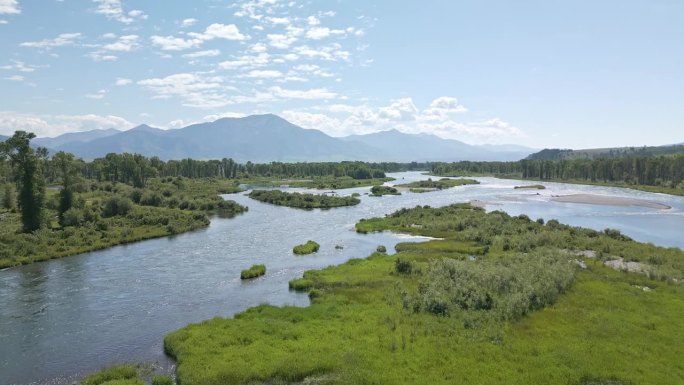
(546, 73)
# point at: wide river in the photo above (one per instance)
(62, 318)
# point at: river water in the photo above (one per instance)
(62, 318)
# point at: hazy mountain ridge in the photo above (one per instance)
(265, 138)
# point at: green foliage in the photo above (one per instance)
(162, 380)
(9, 200)
(384, 190)
(116, 205)
(426, 185)
(115, 373)
(381, 249)
(362, 327)
(253, 272)
(307, 248)
(530, 187)
(26, 164)
(298, 200)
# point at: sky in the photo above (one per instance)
(539, 73)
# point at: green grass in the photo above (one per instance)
(253, 272)
(115, 375)
(367, 323)
(302, 201)
(530, 187)
(167, 206)
(309, 247)
(429, 185)
(378, 191)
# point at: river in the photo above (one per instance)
(62, 318)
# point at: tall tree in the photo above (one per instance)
(26, 165)
(67, 170)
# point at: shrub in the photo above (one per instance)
(151, 198)
(118, 372)
(253, 272)
(116, 206)
(403, 266)
(73, 217)
(381, 249)
(307, 248)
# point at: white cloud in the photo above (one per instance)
(312, 94)
(400, 110)
(14, 78)
(113, 10)
(194, 89)
(264, 74)
(52, 125)
(19, 66)
(214, 31)
(199, 54)
(246, 61)
(123, 81)
(124, 44)
(98, 95)
(100, 56)
(317, 33)
(188, 22)
(441, 107)
(222, 31)
(9, 7)
(170, 43)
(281, 41)
(64, 39)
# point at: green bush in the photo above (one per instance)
(381, 249)
(253, 272)
(106, 376)
(308, 248)
(116, 205)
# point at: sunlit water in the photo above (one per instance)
(62, 318)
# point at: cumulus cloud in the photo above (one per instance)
(196, 39)
(64, 39)
(113, 10)
(9, 7)
(14, 78)
(199, 54)
(194, 89)
(188, 22)
(123, 81)
(52, 125)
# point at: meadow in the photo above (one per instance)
(498, 299)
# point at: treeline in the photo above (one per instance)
(661, 171)
(618, 152)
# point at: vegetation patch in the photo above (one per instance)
(309, 247)
(429, 185)
(115, 375)
(378, 191)
(253, 272)
(530, 187)
(499, 300)
(303, 201)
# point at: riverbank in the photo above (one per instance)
(108, 215)
(396, 319)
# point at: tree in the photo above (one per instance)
(26, 165)
(67, 170)
(8, 198)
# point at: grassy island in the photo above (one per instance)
(499, 299)
(253, 272)
(431, 185)
(302, 201)
(309, 247)
(531, 187)
(378, 191)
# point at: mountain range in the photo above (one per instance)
(265, 138)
